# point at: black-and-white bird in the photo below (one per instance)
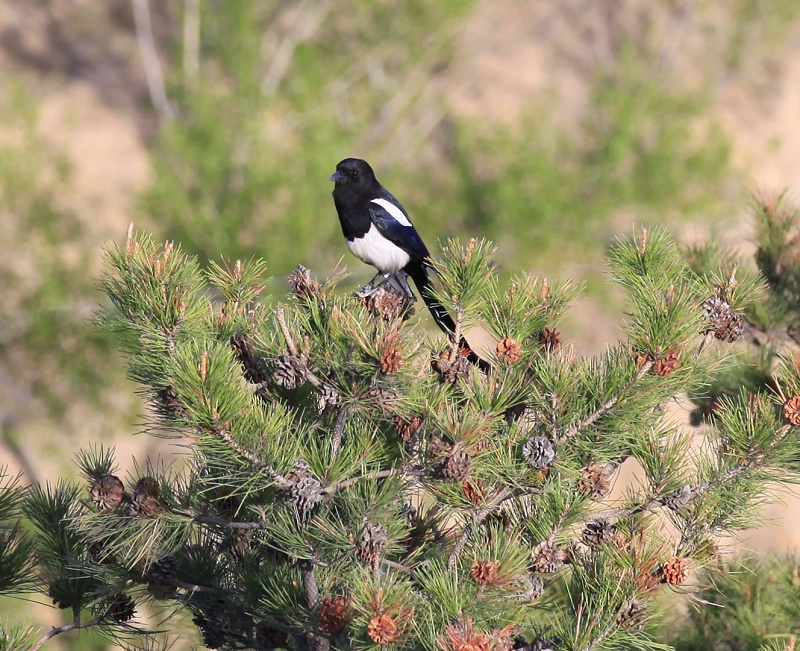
(379, 232)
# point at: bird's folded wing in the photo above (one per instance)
(406, 237)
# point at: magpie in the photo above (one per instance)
(378, 231)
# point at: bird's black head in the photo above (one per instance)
(354, 175)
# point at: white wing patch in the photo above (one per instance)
(393, 210)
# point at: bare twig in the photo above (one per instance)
(338, 430)
(308, 576)
(378, 474)
(152, 66)
(74, 625)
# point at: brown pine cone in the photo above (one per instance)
(484, 572)
(145, 500)
(508, 350)
(474, 490)
(121, 609)
(387, 303)
(597, 532)
(382, 629)
(457, 466)
(633, 615)
(108, 493)
(791, 410)
(594, 481)
(302, 284)
(547, 557)
(675, 571)
(334, 613)
(666, 365)
(550, 339)
(451, 365)
(371, 543)
(391, 361)
(726, 324)
(407, 429)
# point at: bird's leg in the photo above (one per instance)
(400, 281)
(370, 288)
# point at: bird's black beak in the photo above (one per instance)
(338, 176)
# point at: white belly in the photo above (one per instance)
(376, 250)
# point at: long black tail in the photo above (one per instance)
(419, 274)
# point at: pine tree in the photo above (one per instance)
(352, 484)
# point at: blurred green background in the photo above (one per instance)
(549, 128)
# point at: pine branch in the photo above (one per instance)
(308, 374)
(477, 518)
(589, 420)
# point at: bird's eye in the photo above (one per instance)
(354, 173)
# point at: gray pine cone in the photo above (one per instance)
(539, 451)
(547, 557)
(371, 543)
(597, 532)
(679, 499)
(289, 371)
(726, 324)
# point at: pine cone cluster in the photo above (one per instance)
(145, 501)
(289, 371)
(334, 613)
(594, 481)
(382, 629)
(547, 557)
(371, 543)
(675, 571)
(168, 403)
(539, 451)
(107, 493)
(301, 282)
(121, 609)
(484, 572)
(726, 324)
(508, 350)
(791, 410)
(387, 303)
(451, 365)
(457, 466)
(597, 532)
(305, 490)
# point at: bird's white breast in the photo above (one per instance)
(373, 248)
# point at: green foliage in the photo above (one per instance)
(748, 603)
(346, 488)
